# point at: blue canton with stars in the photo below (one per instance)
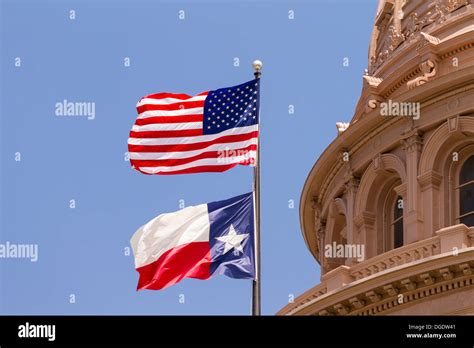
(231, 107)
(231, 237)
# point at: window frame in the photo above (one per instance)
(391, 199)
(464, 155)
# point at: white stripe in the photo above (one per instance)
(186, 154)
(168, 231)
(201, 162)
(181, 112)
(166, 101)
(193, 139)
(167, 126)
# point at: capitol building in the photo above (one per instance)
(388, 209)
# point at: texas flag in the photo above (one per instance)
(196, 242)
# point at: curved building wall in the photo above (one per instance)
(388, 209)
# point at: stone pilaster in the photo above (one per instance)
(365, 223)
(430, 199)
(412, 144)
(351, 187)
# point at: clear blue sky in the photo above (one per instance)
(81, 250)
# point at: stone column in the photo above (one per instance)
(430, 199)
(351, 190)
(412, 144)
(365, 223)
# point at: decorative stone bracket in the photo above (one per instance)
(429, 70)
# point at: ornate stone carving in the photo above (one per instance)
(351, 183)
(427, 278)
(413, 26)
(324, 313)
(390, 36)
(438, 14)
(373, 296)
(392, 40)
(341, 127)
(431, 39)
(395, 38)
(413, 141)
(428, 68)
(341, 309)
(356, 302)
(465, 269)
(372, 103)
(391, 290)
(446, 274)
(372, 81)
(408, 284)
(453, 5)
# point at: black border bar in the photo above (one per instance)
(236, 330)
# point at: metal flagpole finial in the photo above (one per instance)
(257, 66)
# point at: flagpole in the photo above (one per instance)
(256, 305)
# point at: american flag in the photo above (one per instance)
(210, 132)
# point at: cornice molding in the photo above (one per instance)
(380, 292)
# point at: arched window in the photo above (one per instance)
(466, 193)
(397, 223)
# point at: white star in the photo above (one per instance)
(232, 240)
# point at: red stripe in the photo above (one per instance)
(219, 155)
(171, 95)
(192, 260)
(200, 169)
(172, 106)
(166, 133)
(168, 119)
(195, 146)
